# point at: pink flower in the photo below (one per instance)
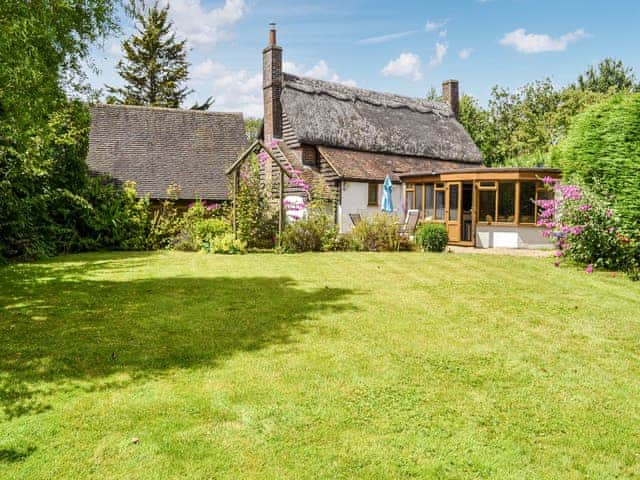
(548, 180)
(558, 253)
(589, 268)
(609, 213)
(584, 208)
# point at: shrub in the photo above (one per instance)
(226, 244)
(432, 237)
(602, 150)
(200, 224)
(256, 218)
(376, 233)
(587, 230)
(311, 234)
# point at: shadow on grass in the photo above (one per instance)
(62, 330)
(11, 455)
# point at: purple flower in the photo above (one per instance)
(584, 208)
(558, 253)
(609, 213)
(547, 180)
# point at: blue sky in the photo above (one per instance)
(400, 46)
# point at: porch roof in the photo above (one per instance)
(486, 173)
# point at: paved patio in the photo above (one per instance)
(514, 252)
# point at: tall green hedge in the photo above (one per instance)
(602, 149)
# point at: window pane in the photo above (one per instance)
(487, 207)
(527, 202)
(419, 189)
(507, 202)
(439, 205)
(373, 194)
(409, 200)
(453, 203)
(429, 200)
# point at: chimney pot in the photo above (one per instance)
(451, 95)
(272, 34)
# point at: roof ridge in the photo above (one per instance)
(347, 93)
(167, 109)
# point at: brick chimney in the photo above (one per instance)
(272, 87)
(451, 95)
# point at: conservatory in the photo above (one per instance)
(482, 207)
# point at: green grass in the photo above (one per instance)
(361, 365)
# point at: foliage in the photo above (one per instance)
(43, 136)
(252, 128)
(610, 74)
(314, 233)
(256, 218)
(432, 237)
(166, 223)
(201, 224)
(155, 67)
(602, 149)
(42, 48)
(376, 233)
(587, 230)
(228, 245)
(521, 127)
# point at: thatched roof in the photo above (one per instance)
(335, 115)
(158, 147)
(373, 166)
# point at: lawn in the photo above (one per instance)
(178, 365)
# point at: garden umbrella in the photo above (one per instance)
(387, 202)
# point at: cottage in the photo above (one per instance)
(159, 147)
(353, 138)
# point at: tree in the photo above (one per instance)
(155, 67)
(610, 74)
(41, 47)
(206, 105)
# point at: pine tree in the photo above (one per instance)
(155, 67)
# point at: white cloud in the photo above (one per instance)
(202, 25)
(438, 57)
(465, 53)
(433, 25)
(537, 43)
(386, 38)
(233, 91)
(320, 70)
(407, 65)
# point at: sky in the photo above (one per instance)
(399, 46)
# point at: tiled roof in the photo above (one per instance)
(357, 165)
(157, 147)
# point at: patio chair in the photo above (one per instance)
(408, 228)
(355, 218)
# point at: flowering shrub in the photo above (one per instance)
(586, 230)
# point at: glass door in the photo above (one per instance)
(454, 197)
